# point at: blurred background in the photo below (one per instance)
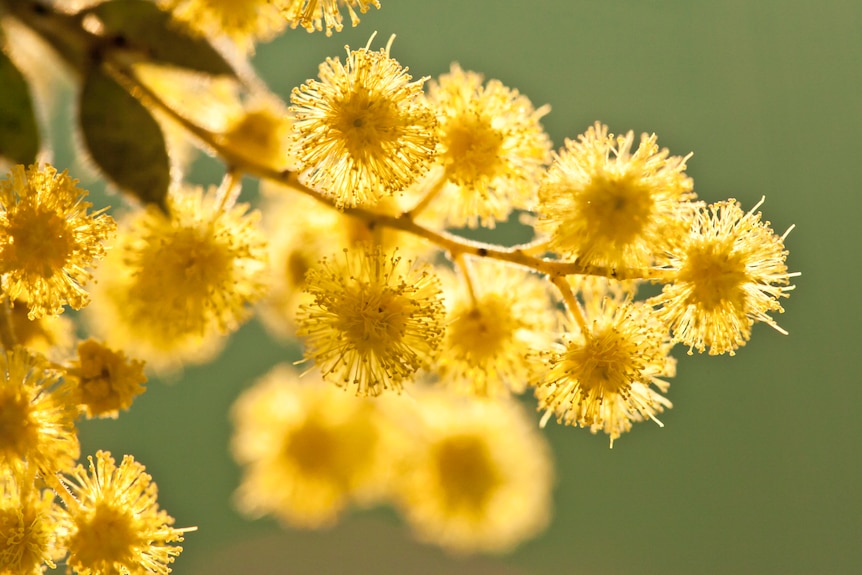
(758, 468)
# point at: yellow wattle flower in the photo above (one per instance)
(374, 322)
(601, 378)
(363, 132)
(729, 274)
(492, 149)
(114, 521)
(610, 206)
(48, 239)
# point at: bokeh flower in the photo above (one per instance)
(478, 476)
(308, 449)
(176, 284)
(105, 381)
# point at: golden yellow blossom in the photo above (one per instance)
(105, 381)
(609, 206)
(300, 233)
(729, 274)
(48, 239)
(30, 522)
(492, 147)
(243, 21)
(478, 476)
(375, 320)
(175, 284)
(493, 322)
(317, 14)
(115, 524)
(308, 449)
(37, 415)
(600, 378)
(363, 131)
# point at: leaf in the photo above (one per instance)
(19, 134)
(141, 25)
(123, 139)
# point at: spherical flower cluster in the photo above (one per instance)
(375, 320)
(495, 318)
(48, 240)
(176, 283)
(609, 206)
(363, 132)
(37, 415)
(114, 521)
(600, 376)
(492, 149)
(105, 381)
(728, 274)
(307, 448)
(478, 476)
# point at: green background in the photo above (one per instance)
(758, 467)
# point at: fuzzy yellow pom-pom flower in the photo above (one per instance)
(317, 14)
(30, 523)
(494, 319)
(105, 380)
(48, 239)
(610, 206)
(729, 274)
(49, 335)
(363, 131)
(600, 377)
(492, 148)
(37, 415)
(308, 449)
(115, 524)
(375, 320)
(243, 21)
(478, 476)
(176, 283)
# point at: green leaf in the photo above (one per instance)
(19, 134)
(123, 139)
(142, 26)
